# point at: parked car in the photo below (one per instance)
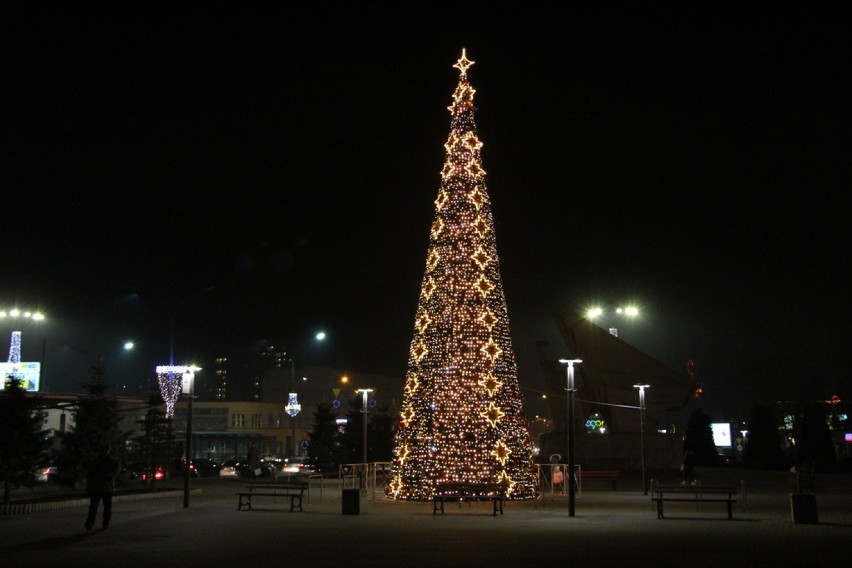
(239, 468)
(142, 472)
(45, 472)
(198, 467)
(205, 467)
(298, 465)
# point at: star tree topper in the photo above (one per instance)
(463, 63)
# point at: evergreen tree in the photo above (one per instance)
(22, 443)
(323, 444)
(156, 445)
(764, 447)
(813, 441)
(96, 423)
(462, 413)
(699, 439)
(380, 435)
(351, 439)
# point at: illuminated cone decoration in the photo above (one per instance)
(462, 416)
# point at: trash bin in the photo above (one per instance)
(351, 501)
(804, 508)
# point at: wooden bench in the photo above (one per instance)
(662, 492)
(599, 475)
(295, 491)
(469, 492)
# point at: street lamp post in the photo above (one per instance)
(364, 410)
(188, 389)
(98, 368)
(364, 393)
(571, 390)
(642, 432)
(293, 407)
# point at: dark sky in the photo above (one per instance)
(695, 162)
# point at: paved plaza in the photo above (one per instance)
(610, 528)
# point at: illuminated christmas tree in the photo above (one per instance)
(462, 416)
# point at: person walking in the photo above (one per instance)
(557, 476)
(100, 485)
(688, 468)
(253, 462)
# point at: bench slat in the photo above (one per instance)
(468, 492)
(695, 494)
(294, 491)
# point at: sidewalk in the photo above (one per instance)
(610, 528)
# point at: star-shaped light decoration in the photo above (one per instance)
(480, 226)
(437, 227)
(396, 486)
(411, 383)
(447, 171)
(501, 451)
(403, 453)
(472, 142)
(420, 351)
(484, 285)
(463, 63)
(434, 257)
(504, 479)
(451, 143)
(492, 414)
(481, 258)
(477, 197)
(491, 350)
(463, 93)
(474, 169)
(442, 199)
(428, 288)
(407, 415)
(490, 384)
(488, 319)
(423, 321)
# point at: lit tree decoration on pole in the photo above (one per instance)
(170, 379)
(462, 416)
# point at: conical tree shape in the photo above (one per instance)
(462, 416)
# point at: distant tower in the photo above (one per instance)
(462, 413)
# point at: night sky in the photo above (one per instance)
(693, 162)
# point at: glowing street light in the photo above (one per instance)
(629, 311)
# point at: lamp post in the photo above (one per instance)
(571, 390)
(98, 368)
(642, 432)
(168, 382)
(293, 407)
(188, 388)
(364, 393)
(364, 411)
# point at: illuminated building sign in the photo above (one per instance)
(596, 424)
(721, 434)
(28, 373)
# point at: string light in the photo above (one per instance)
(461, 416)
